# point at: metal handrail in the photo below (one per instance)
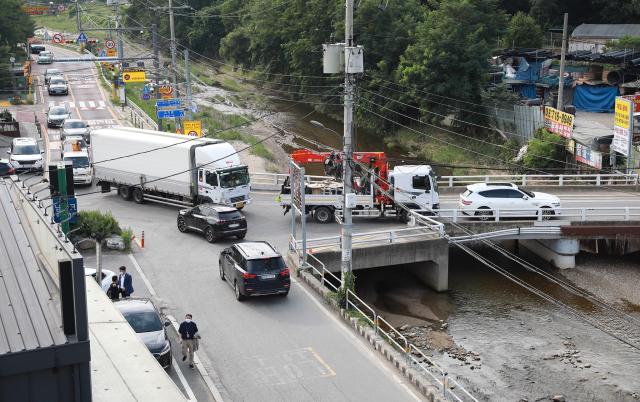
(142, 114)
(582, 213)
(387, 236)
(404, 348)
(373, 319)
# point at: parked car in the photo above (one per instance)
(74, 128)
(254, 269)
(485, 199)
(6, 168)
(36, 48)
(25, 154)
(56, 115)
(107, 276)
(57, 86)
(147, 323)
(214, 221)
(45, 57)
(82, 170)
(51, 72)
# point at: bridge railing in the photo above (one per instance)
(623, 214)
(273, 181)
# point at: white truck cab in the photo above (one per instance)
(224, 186)
(82, 169)
(416, 186)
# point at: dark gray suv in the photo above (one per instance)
(254, 269)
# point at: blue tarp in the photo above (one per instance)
(595, 98)
(528, 71)
(527, 91)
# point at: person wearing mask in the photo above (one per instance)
(125, 282)
(114, 290)
(189, 338)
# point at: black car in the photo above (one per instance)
(214, 221)
(254, 269)
(36, 48)
(6, 168)
(145, 320)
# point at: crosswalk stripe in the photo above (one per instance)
(101, 105)
(92, 104)
(82, 105)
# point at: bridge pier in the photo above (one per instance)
(561, 253)
(434, 274)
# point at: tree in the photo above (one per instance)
(626, 42)
(98, 226)
(543, 151)
(449, 58)
(546, 12)
(523, 31)
(514, 6)
(15, 25)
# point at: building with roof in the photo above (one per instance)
(593, 37)
(44, 340)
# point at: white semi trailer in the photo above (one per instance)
(169, 168)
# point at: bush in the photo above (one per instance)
(97, 225)
(127, 237)
(544, 151)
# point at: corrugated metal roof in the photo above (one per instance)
(605, 31)
(29, 318)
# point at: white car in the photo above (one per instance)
(45, 57)
(106, 276)
(25, 155)
(484, 200)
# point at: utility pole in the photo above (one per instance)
(562, 58)
(187, 78)
(78, 23)
(156, 66)
(119, 34)
(347, 177)
(174, 64)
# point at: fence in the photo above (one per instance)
(624, 214)
(520, 123)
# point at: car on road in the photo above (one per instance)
(107, 276)
(36, 48)
(508, 200)
(25, 154)
(57, 86)
(81, 165)
(214, 221)
(146, 321)
(6, 168)
(45, 57)
(254, 269)
(74, 128)
(51, 72)
(56, 115)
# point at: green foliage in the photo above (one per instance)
(349, 282)
(626, 42)
(97, 225)
(15, 25)
(442, 61)
(127, 238)
(544, 145)
(523, 31)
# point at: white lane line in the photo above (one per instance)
(82, 105)
(51, 104)
(101, 105)
(92, 104)
(185, 384)
(196, 361)
(375, 359)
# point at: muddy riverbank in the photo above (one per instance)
(506, 344)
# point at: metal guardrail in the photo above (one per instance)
(622, 214)
(506, 233)
(561, 180)
(142, 115)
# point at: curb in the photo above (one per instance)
(420, 383)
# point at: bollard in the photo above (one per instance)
(142, 240)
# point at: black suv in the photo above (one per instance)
(214, 221)
(254, 269)
(145, 320)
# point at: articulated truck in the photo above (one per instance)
(146, 165)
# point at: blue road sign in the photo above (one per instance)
(168, 103)
(82, 37)
(102, 53)
(146, 96)
(168, 114)
(73, 209)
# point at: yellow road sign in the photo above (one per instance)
(133, 76)
(193, 128)
(111, 52)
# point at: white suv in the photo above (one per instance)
(25, 154)
(506, 199)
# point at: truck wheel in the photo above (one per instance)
(125, 193)
(403, 216)
(138, 196)
(323, 214)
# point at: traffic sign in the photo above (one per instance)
(111, 52)
(168, 103)
(146, 96)
(166, 91)
(102, 53)
(109, 44)
(169, 114)
(82, 38)
(57, 38)
(61, 7)
(72, 203)
(193, 128)
(133, 76)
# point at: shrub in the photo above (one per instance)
(127, 237)
(545, 151)
(97, 225)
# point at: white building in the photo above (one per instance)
(593, 37)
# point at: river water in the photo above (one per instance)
(528, 349)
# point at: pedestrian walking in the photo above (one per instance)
(114, 290)
(189, 338)
(125, 282)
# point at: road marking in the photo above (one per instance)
(185, 384)
(375, 359)
(82, 105)
(92, 104)
(101, 105)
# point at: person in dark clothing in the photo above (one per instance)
(189, 338)
(114, 290)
